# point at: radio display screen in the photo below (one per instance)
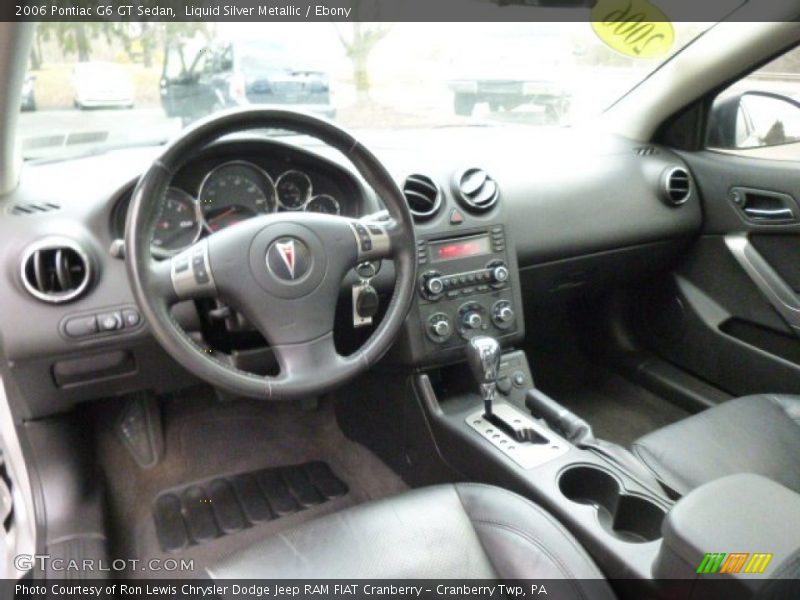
(463, 248)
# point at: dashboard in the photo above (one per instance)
(236, 183)
(574, 210)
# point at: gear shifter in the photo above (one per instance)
(483, 356)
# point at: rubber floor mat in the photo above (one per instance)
(201, 512)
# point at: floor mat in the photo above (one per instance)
(207, 440)
(203, 511)
(617, 409)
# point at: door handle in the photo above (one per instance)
(768, 214)
(762, 206)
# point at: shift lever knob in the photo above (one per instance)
(483, 357)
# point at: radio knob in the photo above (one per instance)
(473, 320)
(500, 273)
(434, 286)
(440, 328)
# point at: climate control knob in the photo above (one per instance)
(500, 273)
(473, 320)
(502, 314)
(505, 315)
(439, 328)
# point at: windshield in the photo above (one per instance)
(93, 86)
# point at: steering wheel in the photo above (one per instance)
(282, 271)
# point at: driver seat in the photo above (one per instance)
(453, 531)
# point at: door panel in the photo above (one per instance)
(739, 286)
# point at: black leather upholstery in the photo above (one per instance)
(754, 434)
(462, 531)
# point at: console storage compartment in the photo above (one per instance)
(753, 522)
(625, 516)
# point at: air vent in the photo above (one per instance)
(55, 270)
(677, 185)
(645, 150)
(423, 196)
(475, 190)
(32, 208)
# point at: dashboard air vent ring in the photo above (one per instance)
(677, 185)
(55, 270)
(476, 190)
(423, 196)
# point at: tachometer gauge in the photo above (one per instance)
(294, 190)
(178, 225)
(234, 192)
(323, 204)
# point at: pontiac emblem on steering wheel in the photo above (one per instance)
(288, 258)
(286, 250)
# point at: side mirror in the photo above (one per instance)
(753, 119)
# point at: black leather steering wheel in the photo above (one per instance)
(283, 271)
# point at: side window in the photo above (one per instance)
(759, 115)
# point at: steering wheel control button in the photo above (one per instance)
(288, 259)
(372, 239)
(199, 267)
(109, 321)
(191, 272)
(81, 326)
(181, 264)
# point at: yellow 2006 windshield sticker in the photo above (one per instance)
(633, 27)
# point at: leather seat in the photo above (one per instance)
(461, 531)
(753, 434)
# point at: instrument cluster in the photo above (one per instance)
(234, 191)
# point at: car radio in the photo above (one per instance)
(466, 287)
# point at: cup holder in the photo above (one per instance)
(629, 518)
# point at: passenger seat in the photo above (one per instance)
(753, 434)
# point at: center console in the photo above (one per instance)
(649, 543)
(614, 513)
(468, 285)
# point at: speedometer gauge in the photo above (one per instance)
(323, 204)
(234, 192)
(294, 190)
(178, 225)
